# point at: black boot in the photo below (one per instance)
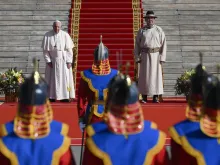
(52, 100)
(65, 101)
(144, 99)
(156, 99)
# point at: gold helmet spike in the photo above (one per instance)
(36, 73)
(128, 79)
(101, 48)
(118, 62)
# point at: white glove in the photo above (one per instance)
(82, 126)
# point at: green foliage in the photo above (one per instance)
(11, 80)
(182, 85)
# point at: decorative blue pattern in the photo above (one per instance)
(99, 82)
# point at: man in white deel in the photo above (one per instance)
(150, 52)
(57, 49)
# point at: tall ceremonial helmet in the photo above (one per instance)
(210, 121)
(195, 101)
(123, 112)
(101, 64)
(34, 111)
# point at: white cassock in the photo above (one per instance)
(57, 48)
(150, 81)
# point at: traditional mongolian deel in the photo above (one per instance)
(150, 50)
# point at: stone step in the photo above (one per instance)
(200, 48)
(199, 27)
(39, 38)
(17, 64)
(182, 1)
(26, 59)
(195, 42)
(172, 65)
(172, 12)
(168, 93)
(35, 13)
(35, 6)
(169, 82)
(188, 49)
(176, 55)
(171, 6)
(162, 12)
(199, 12)
(192, 32)
(27, 63)
(211, 65)
(206, 59)
(168, 37)
(28, 28)
(173, 76)
(15, 54)
(186, 22)
(33, 22)
(199, 37)
(196, 54)
(169, 87)
(37, 48)
(31, 18)
(32, 42)
(28, 31)
(189, 26)
(187, 17)
(3, 2)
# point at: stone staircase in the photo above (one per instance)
(23, 24)
(190, 26)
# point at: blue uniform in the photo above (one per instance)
(205, 149)
(98, 86)
(43, 151)
(182, 128)
(117, 149)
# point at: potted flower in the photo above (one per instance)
(10, 82)
(182, 86)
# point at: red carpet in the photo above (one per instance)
(164, 114)
(113, 19)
